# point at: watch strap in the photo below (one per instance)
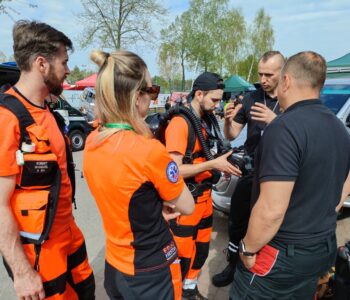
(242, 249)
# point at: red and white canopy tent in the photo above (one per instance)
(67, 86)
(86, 82)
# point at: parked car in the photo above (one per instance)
(78, 126)
(335, 95)
(77, 122)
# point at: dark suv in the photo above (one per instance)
(78, 126)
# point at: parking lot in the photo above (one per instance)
(88, 219)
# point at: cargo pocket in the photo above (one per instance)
(38, 171)
(265, 260)
(29, 208)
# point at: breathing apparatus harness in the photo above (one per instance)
(158, 123)
(35, 199)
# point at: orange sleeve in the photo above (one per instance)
(9, 142)
(176, 135)
(163, 172)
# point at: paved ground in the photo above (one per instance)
(89, 221)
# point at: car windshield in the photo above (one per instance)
(334, 96)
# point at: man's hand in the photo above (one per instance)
(29, 285)
(168, 211)
(222, 164)
(260, 112)
(231, 111)
(248, 261)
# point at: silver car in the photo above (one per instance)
(335, 95)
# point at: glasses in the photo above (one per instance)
(152, 91)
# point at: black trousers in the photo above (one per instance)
(239, 215)
(153, 285)
(291, 274)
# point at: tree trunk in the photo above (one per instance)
(251, 69)
(183, 71)
(119, 25)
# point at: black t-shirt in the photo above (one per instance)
(308, 145)
(255, 128)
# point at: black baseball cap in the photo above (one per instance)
(207, 81)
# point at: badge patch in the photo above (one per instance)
(172, 172)
(170, 250)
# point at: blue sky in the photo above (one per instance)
(319, 25)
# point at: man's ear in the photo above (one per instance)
(40, 63)
(286, 82)
(198, 94)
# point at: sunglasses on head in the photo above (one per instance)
(152, 91)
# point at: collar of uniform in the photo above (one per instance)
(27, 100)
(303, 103)
(260, 95)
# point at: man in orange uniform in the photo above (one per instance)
(62, 268)
(192, 233)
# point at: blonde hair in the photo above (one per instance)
(121, 75)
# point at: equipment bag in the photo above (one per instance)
(342, 273)
(35, 198)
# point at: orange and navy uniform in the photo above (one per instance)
(192, 233)
(130, 176)
(63, 261)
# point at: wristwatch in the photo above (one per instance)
(243, 251)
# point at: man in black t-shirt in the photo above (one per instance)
(258, 109)
(301, 179)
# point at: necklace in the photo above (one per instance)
(266, 104)
(119, 126)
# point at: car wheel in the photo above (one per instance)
(77, 140)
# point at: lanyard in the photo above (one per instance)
(119, 126)
(266, 104)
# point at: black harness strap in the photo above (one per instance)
(69, 157)
(19, 110)
(191, 141)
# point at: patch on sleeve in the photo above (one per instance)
(172, 172)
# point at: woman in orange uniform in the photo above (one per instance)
(133, 179)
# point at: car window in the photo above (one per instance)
(335, 96)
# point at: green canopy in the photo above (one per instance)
(339, 67)
(236, 84)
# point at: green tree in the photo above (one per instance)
(208, 36)
(229, 41)
(173, 51)
(204, 21)
(168, 63)
(162, 82)
(77, 74)
(115, 24)
(261, 39)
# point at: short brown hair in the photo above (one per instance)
(31, 39)
(308, 68)
(267, 55)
